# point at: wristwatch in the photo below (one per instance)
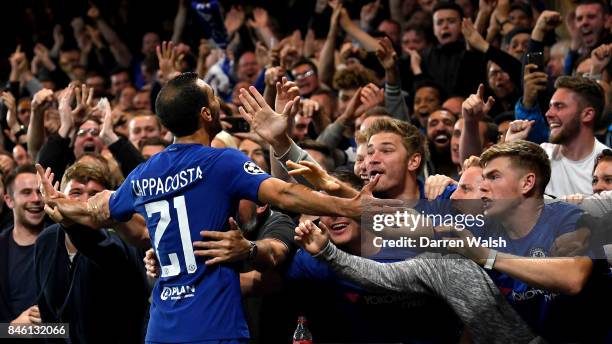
(23, 130)
(252, 251)
(490, 260)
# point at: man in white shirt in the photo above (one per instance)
(575, 108)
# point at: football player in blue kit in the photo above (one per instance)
(184, 189)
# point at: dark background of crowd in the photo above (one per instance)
(463, 85)
(31, 22)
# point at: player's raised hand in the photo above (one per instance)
(311, 237)
(267, 123)
(99, 210)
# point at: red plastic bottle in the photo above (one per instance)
(302, 335)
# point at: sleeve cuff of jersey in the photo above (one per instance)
(255, 197)
(112, 209)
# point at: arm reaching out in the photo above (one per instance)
(320, 179)
(36, 128)
(460, 283)
(369, 43)
(300, 199)
(269, 124)
(118, 48)
(94, 213)
(326, 58)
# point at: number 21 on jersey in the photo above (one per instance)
(163, 208)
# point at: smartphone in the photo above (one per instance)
(536, 58)
(239, 125)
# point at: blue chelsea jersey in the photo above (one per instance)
(535, 305)
(183, 190)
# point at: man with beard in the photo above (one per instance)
(17, 290)
(575, 108)
(190, 186)
(514, 178)
(439, 131)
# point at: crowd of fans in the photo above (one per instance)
(427, 99)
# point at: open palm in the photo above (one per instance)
(285, 92)
(266, 122)
(311, 237)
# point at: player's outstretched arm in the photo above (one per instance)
(320, 179)
(93, 213)
(300, 199)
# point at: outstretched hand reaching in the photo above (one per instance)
(267, 123)
(311, 237)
